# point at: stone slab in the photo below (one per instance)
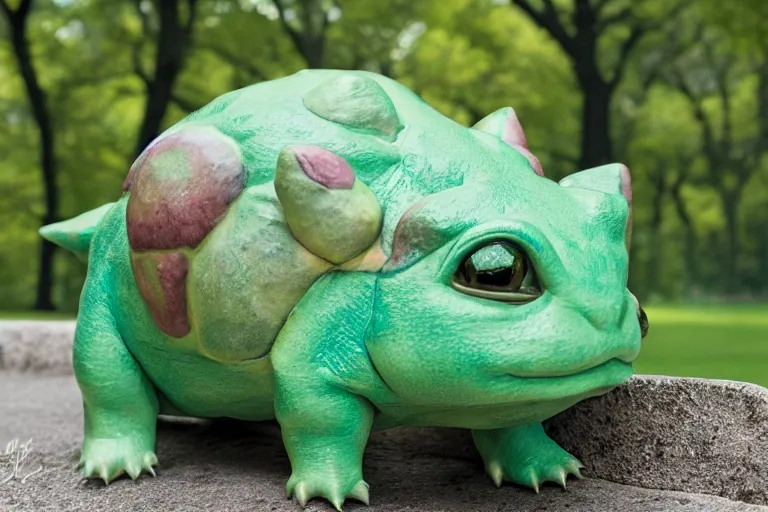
(691, 435)
(231, 466)
(669, 433)
(37, 346)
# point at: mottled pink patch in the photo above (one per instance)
(136, 165)
(402, 237)
(531, 159)
(129, 178)
(180, 188)
(324, 167)
(161, 278)
(512, 131)
(626, 183)
(626, 191)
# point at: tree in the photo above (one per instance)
(579, 39)
(706, 75)
(306, 21)
(172, 37)
(468, 59)
(17, 20)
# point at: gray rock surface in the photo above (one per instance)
(693, 435)
(669, 433)
(230, 466)
(37, 346)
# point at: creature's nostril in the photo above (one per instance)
(643, 321)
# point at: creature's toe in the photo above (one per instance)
(534, 473)
(107, 459)
(302, 492)
(133, 468)
(360, 492)
(496, 472)
(304, 488)
(105, 473)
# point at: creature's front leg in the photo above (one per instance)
(321, 374)
(120, 404)
(325, 431)
(524, 455)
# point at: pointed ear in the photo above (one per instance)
(357, 102)
(328, 210)
(505, 125)
(610, 179)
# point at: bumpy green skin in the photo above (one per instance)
(379, 339)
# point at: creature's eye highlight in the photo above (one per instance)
(497, 270)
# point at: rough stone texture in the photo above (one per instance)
(679, 434)
(37, 346)
(693, 435)
(230, 466)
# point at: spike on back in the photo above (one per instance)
(356, 102)
(505, 125)
(328, 210)
(76, 234)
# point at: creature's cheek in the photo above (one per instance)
(429, 342)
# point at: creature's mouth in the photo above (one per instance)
(592, 381)
(572, 372)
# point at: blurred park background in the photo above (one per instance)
(676, 89)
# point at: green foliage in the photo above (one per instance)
(467, 58)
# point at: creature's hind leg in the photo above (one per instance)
(119, 402)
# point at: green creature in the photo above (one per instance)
(328, 250)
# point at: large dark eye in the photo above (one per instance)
(498, 271)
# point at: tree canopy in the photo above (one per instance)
(678, 90)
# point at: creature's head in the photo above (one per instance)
(502, 288)
(511, 288)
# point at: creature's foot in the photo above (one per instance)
(109, 458)
(525, 456)
(330, 485)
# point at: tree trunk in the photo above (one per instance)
(310, 40)
(171, 45)
(689, 252)
(18, 27)
(313, 49)
(596, 148)
(580, 43)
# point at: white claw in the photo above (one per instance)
(360, 492)
(496, 472)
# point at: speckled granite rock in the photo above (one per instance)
(693, 435)
(680, 434)
(37, 346)
(233, 467)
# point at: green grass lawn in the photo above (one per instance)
(719, 342)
